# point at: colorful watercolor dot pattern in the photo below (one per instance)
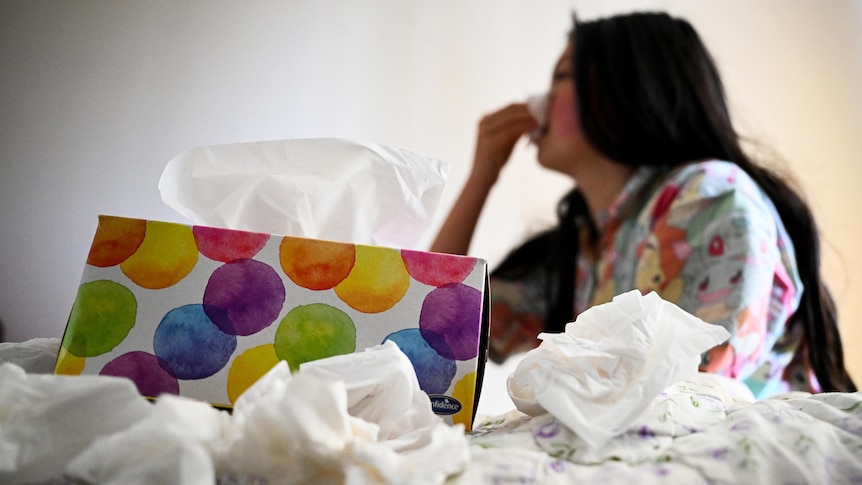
(146, 370)
(312, 332)
(116, 239)
(377, 281)
(243, 296)
(435, 269)
(316, 265)
(226, 246)
(248, 367)
(69, 364)
(167, 255)
(190, 344)
(445, 320)
(103, 314)
(463, 392)
(434, 372)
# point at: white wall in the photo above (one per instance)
(95, 97)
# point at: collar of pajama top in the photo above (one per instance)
(633, 194)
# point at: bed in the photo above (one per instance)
(695, 432)
(703, 429)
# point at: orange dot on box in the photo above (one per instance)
(316, 265)
(116, 239)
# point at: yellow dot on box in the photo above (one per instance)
(247, 368)
(69, 364)
(377, 282)
(464, 393)
(166, 256)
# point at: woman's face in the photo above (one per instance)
(563, 143)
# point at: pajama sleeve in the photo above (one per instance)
(517, 316)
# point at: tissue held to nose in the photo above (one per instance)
(538, 106)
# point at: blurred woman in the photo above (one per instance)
(666, 200)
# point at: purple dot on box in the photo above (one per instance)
(450, 320)
(145, 370)
(250, 293)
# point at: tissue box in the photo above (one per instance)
(204, 312)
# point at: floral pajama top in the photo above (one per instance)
(703, 236)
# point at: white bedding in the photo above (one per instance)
(700, 430)
(697, 431)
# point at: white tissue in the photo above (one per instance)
(355, 418)
(35, 356)
(382, 388)
(325, 188)
(285, 429)
(45, 420)
(423, 457)
(174, 444)
(537, 105)
(294, 432)
(601, 374)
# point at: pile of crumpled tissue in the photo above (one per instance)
(602, 373)
(371, 424)
(355, 418)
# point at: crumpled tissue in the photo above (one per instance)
(321, 188)
(45, 420)
(173, 444)
(382, 388)
(602, 373)
(35, 356)
(370, 425)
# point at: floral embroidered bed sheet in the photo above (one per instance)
(697, 431)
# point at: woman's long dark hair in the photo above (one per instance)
(649, 94)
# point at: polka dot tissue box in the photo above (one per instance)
(204, 312)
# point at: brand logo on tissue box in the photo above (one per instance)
(444, 404)
(204, 312)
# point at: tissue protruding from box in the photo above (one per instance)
(320, 188)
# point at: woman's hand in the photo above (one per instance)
(498, 133)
